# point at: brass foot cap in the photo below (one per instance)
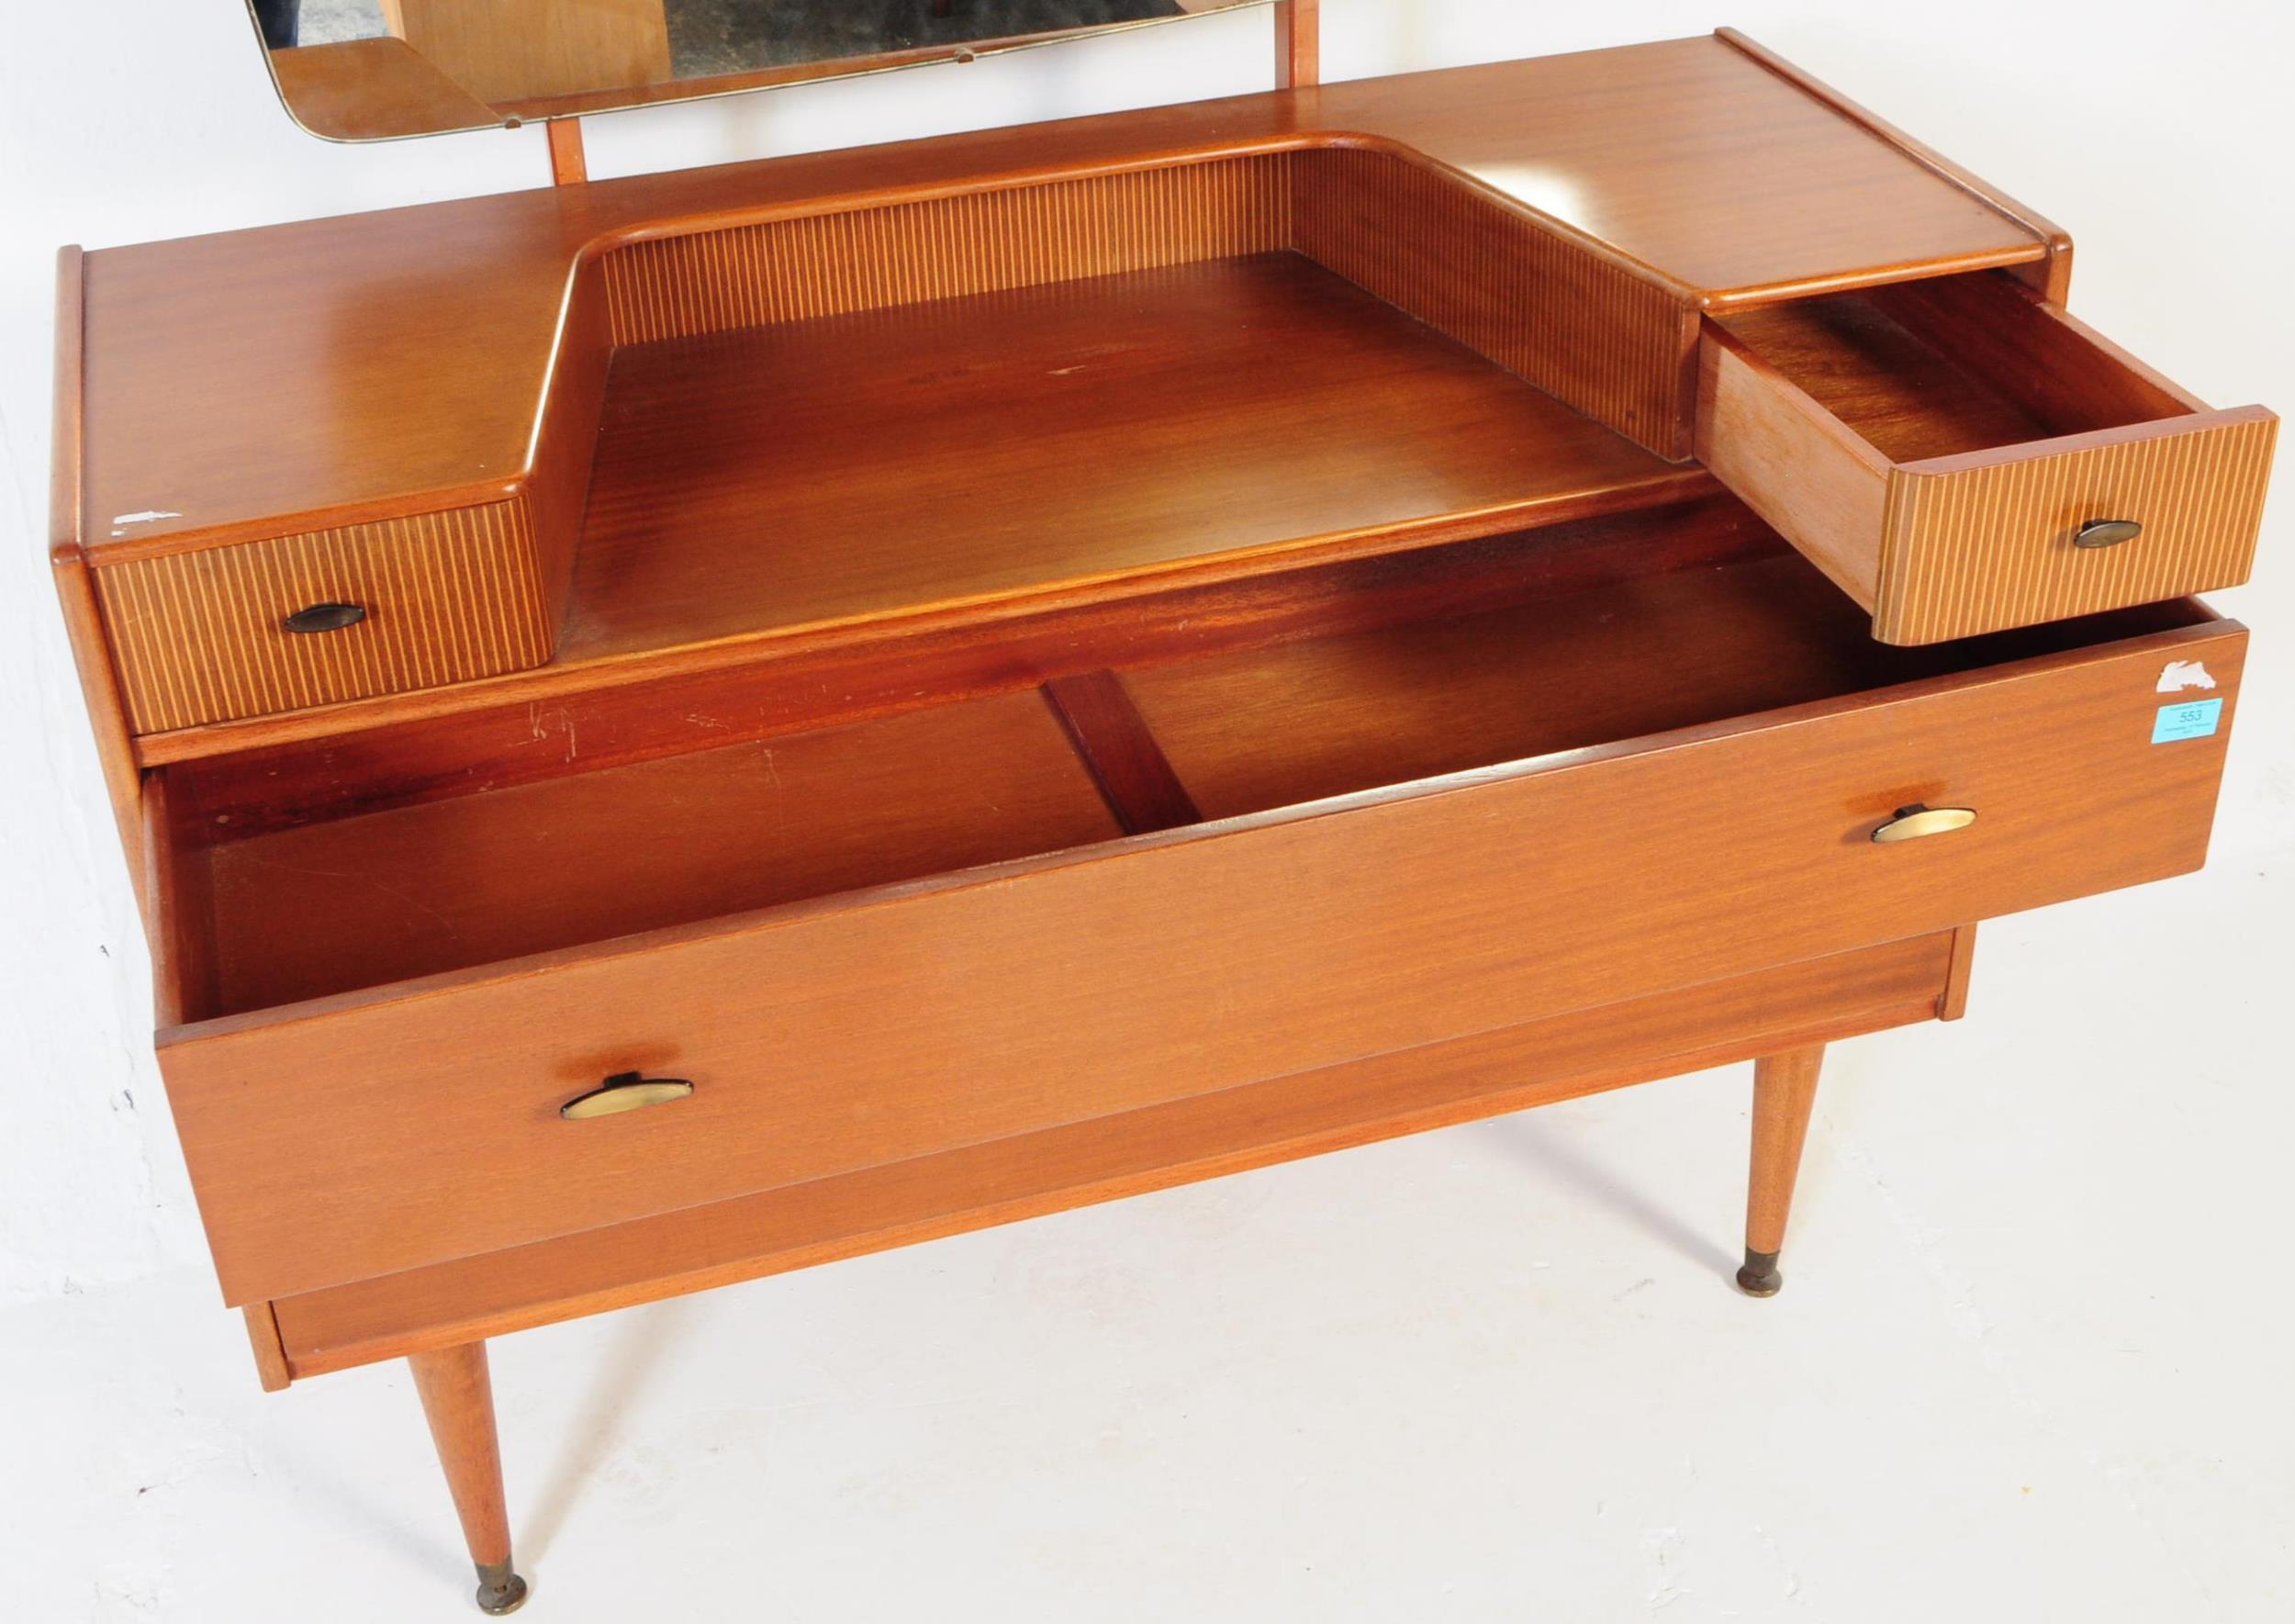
(1759, 1278)
(499, 1590)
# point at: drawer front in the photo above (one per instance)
(203, 635)
(1937, 448)
(1980, 542)
(362, 1135)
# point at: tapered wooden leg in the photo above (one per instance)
(458, 1401)
(1784, 1088)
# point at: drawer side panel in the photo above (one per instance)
(1792, 463)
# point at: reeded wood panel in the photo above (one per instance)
(1978, 543)
(1610, 342)
(449, 596)
(974, 242)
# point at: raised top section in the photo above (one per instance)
(338, 371)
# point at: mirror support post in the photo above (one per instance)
(1298, 44)
(568, 167)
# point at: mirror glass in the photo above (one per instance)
(372, 70)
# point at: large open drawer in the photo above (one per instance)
(1960, 456)
(1411, 833)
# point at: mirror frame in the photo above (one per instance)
(334, 97)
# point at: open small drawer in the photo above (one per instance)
(876, 944)
(1961, 456)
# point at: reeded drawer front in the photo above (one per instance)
(2016, 537)
(1960, 457)
(373, 1132)
(216, 633)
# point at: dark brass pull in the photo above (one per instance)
(325, 617)
(2106, 532)
(624, 1091)
(1913, 822)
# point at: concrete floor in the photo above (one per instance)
(2030, 1363)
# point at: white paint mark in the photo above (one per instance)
(144, 517)
(1661, 1552)
(541, 725)
(2182, 674)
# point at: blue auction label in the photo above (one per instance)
(2196, 720)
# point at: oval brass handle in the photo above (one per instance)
(1912, 823)
(324, 616)
(2106, 532)
(624, 1091)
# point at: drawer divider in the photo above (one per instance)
(1120, 752)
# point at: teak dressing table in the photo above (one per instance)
(685, 727)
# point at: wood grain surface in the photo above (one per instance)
(2052, 275)
(1298, 43)
(1113, 741)
(1321, 716)
(1974, 542)
(1796, 465)
(592, 855)
(1088, 657)
(457, 1393)
(262, 1341)
(1594, 333)
(1509, 1069)
(334, 371)
(365, 89)
(569, 159)
(201, 636)
(1785, 1091)
(1935, 448)
(904, 1021)
(273, 781)
(897, 461)
(938, 248)
(75, 587)
(671, 836)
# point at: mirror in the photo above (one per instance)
(373, 70)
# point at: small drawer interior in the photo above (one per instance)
(1546, 659)
(1955, 364)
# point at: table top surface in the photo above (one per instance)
(402, 357)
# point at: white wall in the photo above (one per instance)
(2159, 136)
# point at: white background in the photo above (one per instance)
(2033, 1360)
